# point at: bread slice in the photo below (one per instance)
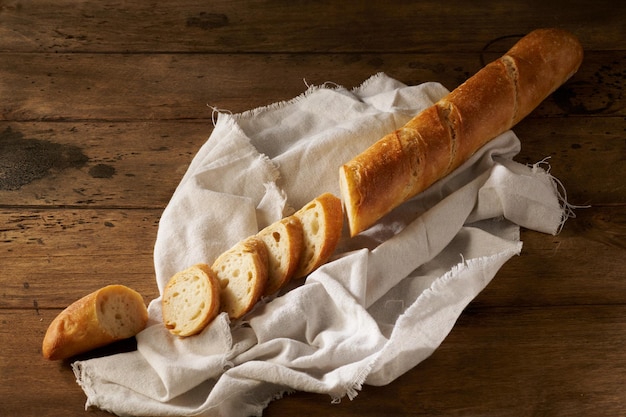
(112, 313)
(322, 222)
(191, 300)
(242, 272)
(283, 240)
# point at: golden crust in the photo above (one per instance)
(286, 238)
(79, 327)
(242, 287)
(395, 168)
(430, 144)
(480, 109)
(319, 247)
(406, 162)
(372, 181)
(543, 60)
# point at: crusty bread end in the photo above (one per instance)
(112, 313)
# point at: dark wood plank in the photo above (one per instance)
(78, 232)
(139, 164)
(582, 265)
(51, 258)
(550, 361)
(33, 386)
(509, 362)
(39, 283)
(79, 87)
(278, 26)
(141, 154)
(585, 153)
(135, 164)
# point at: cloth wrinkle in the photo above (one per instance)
(382, 304)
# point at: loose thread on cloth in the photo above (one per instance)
(216, 112)
(328, 85)
(560, 191)
(310, 88)
(357, 385)
(323, 85)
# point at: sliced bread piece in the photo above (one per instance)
(322, 222)
(242, 273)
(112, 313)
(283, 240)
(191, 300)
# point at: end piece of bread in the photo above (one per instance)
(322, 222)
(191, 299)
(112, 313)
(283, 240)
(242, 272)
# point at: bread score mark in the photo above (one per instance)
(439, 139)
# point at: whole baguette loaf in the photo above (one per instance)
(109, 314)
(442, 137)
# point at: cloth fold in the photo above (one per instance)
(383, 304)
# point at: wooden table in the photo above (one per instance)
(104, 104)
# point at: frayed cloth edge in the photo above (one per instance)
(560, 191)
(310, 89)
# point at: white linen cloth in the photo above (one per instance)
(383, 304)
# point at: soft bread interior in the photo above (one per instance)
(322, 223)
(242, 273)
(283, 240)
(190, 300)
(121, 312)
(312, 223)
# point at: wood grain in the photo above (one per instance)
(549, 270)
(499, 362)
(49, 261)
(297, 26)
(31, 385)
(496, 361)
(66, 86)
(139, 164)
(118, 164)
(53, 257)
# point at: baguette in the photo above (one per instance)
(242, 272)
(109, 314)
(442, 137)
(283, 240)
(256, 266)
(191, 300)
(322, 222)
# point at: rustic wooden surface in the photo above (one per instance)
(103, 105)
